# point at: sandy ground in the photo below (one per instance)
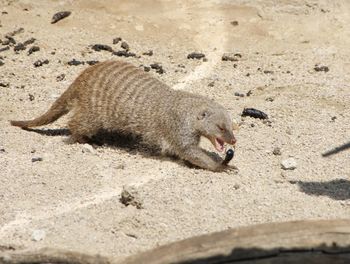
(73, 193)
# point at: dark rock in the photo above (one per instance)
(33, 49)
(117, 40)
(19, 46)
(4, 48)
(29, 41)
(31, 97)
(92, 62)
(148, 53)
(231, 57)
(37, 159)
(252, 112)
(75, 62)
(4, 84)
(99, 47)
(239, 94)
(60, 77)
(125, 45)
(40, 63)
(195, 55)
(234, 23)
(124, 53)
(321, 68)
(146, 68)
(159, 68)
(59, 16)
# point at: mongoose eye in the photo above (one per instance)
(221, 128)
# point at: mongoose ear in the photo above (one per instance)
(203, 114)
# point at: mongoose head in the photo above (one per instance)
(215, 124)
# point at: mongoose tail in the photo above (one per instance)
(59, 108)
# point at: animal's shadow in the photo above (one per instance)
(338, 189)
(127, 142)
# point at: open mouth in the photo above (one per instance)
(218, 144)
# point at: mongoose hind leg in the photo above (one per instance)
(198, 157)
(82, 128)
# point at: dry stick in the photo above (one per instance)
(48, 255)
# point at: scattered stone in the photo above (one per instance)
(231, 57)
(239, 94)
(321, 68)
(269, 99)
(236, 186)
(205, 59)
(248, 74)
(124, 53)
(9, 40)
(38, 235)
(195, 55)
(159, 68)
(277, 151)
(268, 72)
(249, 93)
(333, 118)
(252, 112)
(60, 77)
(31, 97)
(87, 148)
(148, 53)
(117, 40)
(4, 84)
(125, 45)
(40, 63)
(99, 47)
(19, 46)
(211, 84)
(289, 164)
(4, 48)
(129, 196)
(33, 49)
(75, 62)
(35, 159)
(59, 16)
(29, 41)
(92, 62)
(234, 23)
(146, 68)
(1, 63)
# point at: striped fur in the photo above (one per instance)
(117, 96)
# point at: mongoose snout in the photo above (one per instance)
(116, 96)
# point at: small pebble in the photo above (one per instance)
(33, 49)
(124, 53)
(148, 53)
(231, 57)
(40, 63)
(19, 46)
(277, 151)
(234, 23)
(239, 94)
(75, 62)
(38, 235)
(29, 41)
(35, 159)
(60, 77)
(289, 164)
(59, 16)
(31, 97)
(195, 55)
(92, 62)
(130, 196)
(321, 68)
(125, 45)
(116, 40)
(99, 47)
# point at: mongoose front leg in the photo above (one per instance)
(200, 158)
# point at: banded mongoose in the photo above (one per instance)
(118, 96)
